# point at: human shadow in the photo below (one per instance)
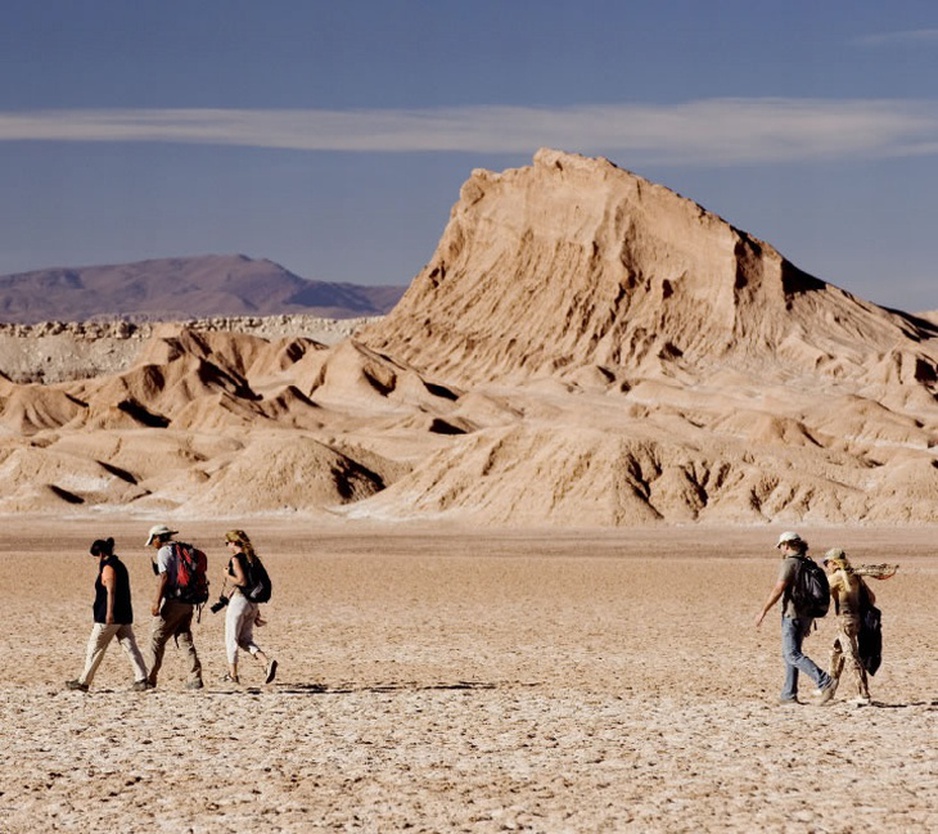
(900, 705)
(379, 688)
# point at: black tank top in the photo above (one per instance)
(123, 612)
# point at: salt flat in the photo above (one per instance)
(440, 679)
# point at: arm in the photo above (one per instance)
(774, 596)
(109, 581)
(161, 584)
(236, 571)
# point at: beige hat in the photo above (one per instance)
(787, 538)
(159, 531)
(835, 554)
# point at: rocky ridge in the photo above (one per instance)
(584, 348)
(56, 351)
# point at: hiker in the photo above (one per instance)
(243, 614)
(853, 600)
(795, 625)
(172, 616)
(113, 617)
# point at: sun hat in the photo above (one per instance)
(159, 531)
(788, 537)
(835, 554)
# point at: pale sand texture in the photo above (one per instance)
(438, 680)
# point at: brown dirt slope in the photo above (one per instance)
(585, 348)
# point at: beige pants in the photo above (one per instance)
(846, 652)
(175, 620)
(101, 636)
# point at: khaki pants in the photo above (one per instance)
(174, 620)
(101, 636)
(846, 652)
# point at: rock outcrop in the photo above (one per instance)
(584, 348)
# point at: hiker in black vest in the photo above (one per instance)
(795, 625)
(113, 617)
(171, 616)
(242, 613)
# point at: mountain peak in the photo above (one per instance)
(574, 262)
(182, 288)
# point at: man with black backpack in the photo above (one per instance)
(804, 596)
(181, 586)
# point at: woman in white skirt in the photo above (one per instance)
(242, 614)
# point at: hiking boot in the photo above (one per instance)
(141, 686)
(271, 671)
(76, 685)
(860, 701)
(194, 684)
(788, 702)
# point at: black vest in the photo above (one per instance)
(123, 612)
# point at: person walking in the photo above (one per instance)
(172, 617)
(242, 613)
(852, 598)
(795, 625)
(113, 617)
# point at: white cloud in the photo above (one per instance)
(705, 132)
(910, 36)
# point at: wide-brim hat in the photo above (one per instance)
(159, 531)
(788, 537)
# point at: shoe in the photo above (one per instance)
(228, 678)
(788, 702)
(76, 685)
(860, 701)
(141, 686)
(271, 671)
(827, 692)
(194, 684)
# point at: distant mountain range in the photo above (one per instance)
(183, 288)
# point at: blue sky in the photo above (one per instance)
(333, 138)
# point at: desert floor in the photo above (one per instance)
(436, 679)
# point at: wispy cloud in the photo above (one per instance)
(706, 132)
(909, 36)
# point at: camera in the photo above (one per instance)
(222, 602)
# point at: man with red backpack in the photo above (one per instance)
(180, 588)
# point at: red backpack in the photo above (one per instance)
(191, 574)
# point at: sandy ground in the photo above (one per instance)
(444, 680)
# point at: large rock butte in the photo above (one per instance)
(584, 348)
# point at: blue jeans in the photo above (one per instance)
(794, 630)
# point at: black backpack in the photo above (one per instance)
(810, 591)
(870, 638)
(259, 586)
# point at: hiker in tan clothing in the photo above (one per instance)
(852, 597)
